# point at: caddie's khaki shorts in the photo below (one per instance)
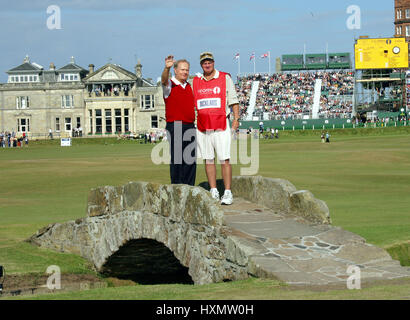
(214, 141)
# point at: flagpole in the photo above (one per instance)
(239, 65)
(269, 61)
(254, 68)
(304, 53)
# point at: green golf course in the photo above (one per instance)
(363, 175)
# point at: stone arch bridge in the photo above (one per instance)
(271, 231)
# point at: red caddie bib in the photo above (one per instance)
(210, 102)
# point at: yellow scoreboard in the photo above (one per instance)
(382, 53)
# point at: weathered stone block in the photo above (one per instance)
(105, 200)
(272, 193)
(133, 194)
(304, 204)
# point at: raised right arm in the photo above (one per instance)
(169, 62)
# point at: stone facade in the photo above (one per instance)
(44, 110)
(105, 102)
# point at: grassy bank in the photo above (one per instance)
(251, 289)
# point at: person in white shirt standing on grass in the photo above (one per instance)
(214, 94)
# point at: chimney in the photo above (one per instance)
(91, 68)
(138, 69)
(52, 66)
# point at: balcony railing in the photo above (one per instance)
(120, 94)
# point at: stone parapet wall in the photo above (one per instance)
(176, 202)
(281, 196)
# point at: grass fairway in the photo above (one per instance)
(364, 179)
(250, 289)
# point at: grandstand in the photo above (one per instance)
(283, 96)
(310, 86)
(324, 86)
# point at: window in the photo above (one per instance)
(398, 14)
(117, 120)
(154, 121)
(57, 124)
(98, 121)
(22, 102)
(78, 122)
(67, 122)
(23, 125)
(67, 101)
(147, 102)
(108, 121)
(68, 76)
(407, 31)
(126, 122)
(407, 13)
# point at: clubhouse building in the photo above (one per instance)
(103, 102)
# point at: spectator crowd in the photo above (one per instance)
(290, 95)
(11, 140)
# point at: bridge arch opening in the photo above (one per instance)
(146, 261)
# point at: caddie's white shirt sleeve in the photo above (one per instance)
(231, 95)
(166, 89)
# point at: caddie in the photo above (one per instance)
(215, 94)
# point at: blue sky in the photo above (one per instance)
(94, 31)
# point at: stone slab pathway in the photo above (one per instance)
(296, 251)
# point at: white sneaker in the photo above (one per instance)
(227, 198)
(215, 193)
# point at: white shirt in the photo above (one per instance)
(167, 89)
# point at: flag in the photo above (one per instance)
(236, 56)
(252, 56)
(265, 55)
